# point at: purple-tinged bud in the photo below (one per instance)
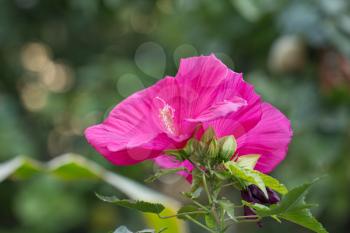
(253, 194)
(273, 196)
(247, 195)
(258, 194)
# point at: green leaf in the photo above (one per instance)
(246, 175)
(248, 161)
(228, 207)
(228, 146)
(163, 172)
(142, 206)
(89, 170)
(293, 199)
(210, 221)
(272, 183)
(303, 217)
(122, 229)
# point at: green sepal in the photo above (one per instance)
(213, 149)
(228, 146)
(208, 136)
(179, 154)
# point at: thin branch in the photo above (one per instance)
(181, 214)
(200, 224)
(206, 189)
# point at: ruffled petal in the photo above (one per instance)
(199, 78)
(270, 139)
(135, 129)
(220, 109)
(246, 117)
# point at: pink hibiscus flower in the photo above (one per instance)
(165, 116)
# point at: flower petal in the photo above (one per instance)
(269, 138)
(239, 122)
(199, 78)
(168, 162)
(134, 130)
(220, 109)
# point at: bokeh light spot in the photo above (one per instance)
(128, 84)
(151, 59)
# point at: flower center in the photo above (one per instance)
(166, 115)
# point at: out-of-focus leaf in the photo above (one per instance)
(142, 206)
(20, 167)
(248, 8)
(172, 225)
(146, 231)
(122, 229)
(73, 166)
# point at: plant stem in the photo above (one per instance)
(200, 224)
(200, 205)
(182, 214)
(206, 189)
(229, 184)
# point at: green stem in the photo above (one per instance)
(181, 214)
(247, 217)
(195, 165)
(206, 189)
(229, 184)
(251, 218)
(200, 224)
(200, 205)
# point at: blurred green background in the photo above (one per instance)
(65, 63)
